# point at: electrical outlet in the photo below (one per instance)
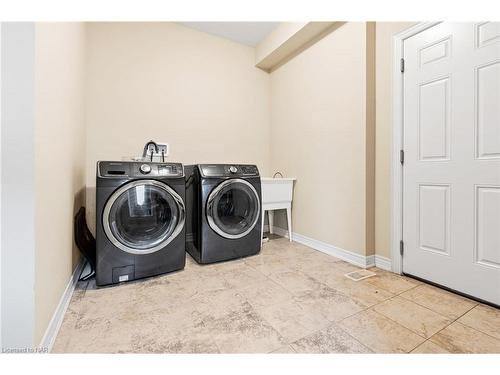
(160, 156)
(163, 147)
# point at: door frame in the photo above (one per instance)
(397, 141)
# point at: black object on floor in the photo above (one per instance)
(85, 242)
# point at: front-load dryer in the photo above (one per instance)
(223, 211)
(140, 220)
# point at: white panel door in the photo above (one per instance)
(451, 172)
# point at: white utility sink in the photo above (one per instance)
(276, 190)
(277, 194)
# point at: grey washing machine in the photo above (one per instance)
(140, 220)
(223, 211)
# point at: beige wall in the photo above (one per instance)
(276, 38)
(59, 160)
(384, 64)
(318, 134)
(289, 39)
(302, 124)
(166, 82)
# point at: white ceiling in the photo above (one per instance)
(248, 33)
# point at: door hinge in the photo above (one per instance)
(402, 156)
(401, 247)
(402, 67)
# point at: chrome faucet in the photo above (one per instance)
(147, 147)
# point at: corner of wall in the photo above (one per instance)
(59, 129)
(370, 136)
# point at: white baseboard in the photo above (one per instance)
(57, 319)
(277, 230)
(370, 261)
(383, 263)
(346, 255)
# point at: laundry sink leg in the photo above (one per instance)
(289, 219)
(262, 226)
(270, 215)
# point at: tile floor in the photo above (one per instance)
(287, 299)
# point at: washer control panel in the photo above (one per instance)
(228, 170)
(170, 169)
(138, 169)
(145, 168)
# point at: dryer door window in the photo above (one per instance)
(143, 216)
(233, 208)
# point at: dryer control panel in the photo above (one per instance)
(228, 170)
(120, 169)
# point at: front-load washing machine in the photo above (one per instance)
(223, 211)
(140, 220)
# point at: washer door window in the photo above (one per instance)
(143, 216)
(233, 208)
